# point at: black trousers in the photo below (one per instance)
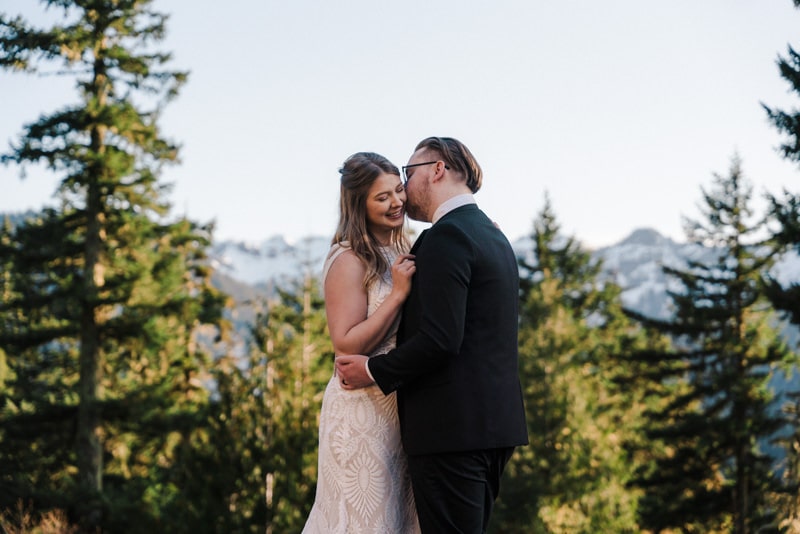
(455, 492)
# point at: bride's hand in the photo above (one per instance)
(403, 269)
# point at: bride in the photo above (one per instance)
(363, 485)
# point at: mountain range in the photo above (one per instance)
(250, 273)
(635, 264)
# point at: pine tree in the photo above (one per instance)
(787, 502)
(785, 297)
(572, 477)
(716, 412)
(256, 467)
(106, 295)
(296, 362)
(786, 209)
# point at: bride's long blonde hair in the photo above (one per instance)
(358, 173)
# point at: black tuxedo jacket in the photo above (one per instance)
(455, 367)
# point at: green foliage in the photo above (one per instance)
(786, 213)
(787, 502)
(788, 122)
(254, 461)
(295, 361)
(785, 210)
(572, 477)
(714, 410)
(104, 298)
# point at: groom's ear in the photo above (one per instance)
(441, 167)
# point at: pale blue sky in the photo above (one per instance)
(621, 110)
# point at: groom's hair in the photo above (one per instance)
(456, 156)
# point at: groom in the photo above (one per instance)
(455, 367)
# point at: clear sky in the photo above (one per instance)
(619, 110)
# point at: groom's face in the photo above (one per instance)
(418, 187)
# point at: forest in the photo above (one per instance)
(123, 407)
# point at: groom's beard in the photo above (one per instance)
(417, 203)
(414, 213)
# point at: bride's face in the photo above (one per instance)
(386, 201)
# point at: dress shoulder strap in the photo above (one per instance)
(336, 250)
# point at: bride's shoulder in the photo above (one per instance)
(336, 250)
(342, 261)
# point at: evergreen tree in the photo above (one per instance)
(716, 412)
(785, 297)
(258, 465)
(786, 209)
(572, 477)
(105, 296)
(225, 464)
(291, 361)
(787, 502)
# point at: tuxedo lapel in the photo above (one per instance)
(409, 320)
(418, 242)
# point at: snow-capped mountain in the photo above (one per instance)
(272, 262)
(635, 264)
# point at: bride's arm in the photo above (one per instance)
(352, 332)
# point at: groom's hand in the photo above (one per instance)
(352, 371)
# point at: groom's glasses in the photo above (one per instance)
(406, 177)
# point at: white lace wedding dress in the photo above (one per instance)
(362, 484)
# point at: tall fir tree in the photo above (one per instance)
(716, 412)
(572, 477)
(260, 453)
(785, 295)
(786, 208)
(295, 362)
(106, 296)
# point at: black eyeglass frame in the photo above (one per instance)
(404, 167)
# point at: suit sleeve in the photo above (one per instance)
(444, 264)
